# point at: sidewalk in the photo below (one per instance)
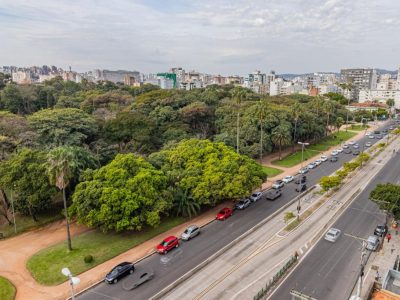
(16, 251)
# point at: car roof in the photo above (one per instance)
(123, 264)
(334, 230)
(170, 238)
(372, 238)
(193, 227)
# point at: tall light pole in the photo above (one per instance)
(299, 188)
(13, 211)
(363, 147)
(72, 280)
(361, 269)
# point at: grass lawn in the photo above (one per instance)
(358, 127)
(25, 223)
(333, 140)
(7, 289)
(45, 266)
(271, 172)
(295, 158)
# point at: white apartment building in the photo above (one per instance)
(22, 77)
(380, 96)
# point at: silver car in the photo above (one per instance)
(256, 196)
(190, 232)
(372, 243)
(332, 235)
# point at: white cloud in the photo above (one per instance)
(218, 36)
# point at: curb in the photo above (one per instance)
(200, 266)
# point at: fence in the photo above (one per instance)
(268, 286)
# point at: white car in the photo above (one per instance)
(334, 152)
(312, 165)
(318, 162)
(288, 179)
(332, 235)
(324, 158)
(367, 133)
(352, 142)
(356, 146)
(345, 146)
(340, 150)
(371, 136)
(255, 196)
(368, 144)
(303, 171)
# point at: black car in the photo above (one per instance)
(356, 152)
(300, 179)
(381, 230)
(347, 151)
(301, 188)
(242, 204)
(119, 272)
(333, 159)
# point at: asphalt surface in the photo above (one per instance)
(330, 270)
(212, 238)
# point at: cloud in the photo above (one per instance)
(217, 36)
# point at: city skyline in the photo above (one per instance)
(223, 38)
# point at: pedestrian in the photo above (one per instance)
(389, 237)
(377, 277)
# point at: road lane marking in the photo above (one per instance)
(355, 237)
(104, 295)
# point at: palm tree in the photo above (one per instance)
(185, 205)
(281, 137)
(328, 108)
(296, 111)
(63, 163)
(317, 102)
(347, 87)
(261, 113)
(238, 95)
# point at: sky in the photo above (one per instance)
(211, 36)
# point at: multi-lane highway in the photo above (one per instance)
(214, 236)
(330, 270)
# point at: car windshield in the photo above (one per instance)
(254, 195)
(222, 212)
(164, 243)
(241, 202)
(186, 231)
(114, 272)
(331, 233)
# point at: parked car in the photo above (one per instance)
(347, 151)
(334, 153)
(312, 165)
(379, 136)
(242, 204)
(301, 187)
(224, 213)
(190, 232)
(352, 142)
(339, 150)
(272, 194)
(300, 179)
(356, 146)
(333, 159)
(372, 243)
(278, 184)
(368, 144)
(167, 244)
(119, 271)
(256, 196)
(324, 158)
(303, 171)
(288, 179)
(371, 136)
(345, 146)
(318, 162)
(391, 128)
(368, 133)
(332, 235)
(381, 230)
(137, 279)
(356, 152)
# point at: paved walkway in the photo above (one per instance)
(16, 251)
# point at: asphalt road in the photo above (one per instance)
(330, 270)
(213, 237)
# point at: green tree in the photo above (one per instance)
(62, 126)
(185, 205)
(390, 102)
(281, 137)
(262, 110)
(330, 182)
(24, 173)
(296, 111)
(127, 194)
(328, 108)
(387, 197)
(64, 165)
(339, 123)
(209, 172)
(11, 99)
(238, 95)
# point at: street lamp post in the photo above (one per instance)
(13, 211)
(72, 280)
(361, 269)
(299, 188)
(363, 147)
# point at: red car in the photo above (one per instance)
(167, 244)
(224, 213)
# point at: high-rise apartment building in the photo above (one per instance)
(361, 79)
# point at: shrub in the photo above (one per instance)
(88, 259)
(342, 173)
(329, 182)
(351, 166)
(288, 216)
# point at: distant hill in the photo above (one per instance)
(290, 76)
(383, 71)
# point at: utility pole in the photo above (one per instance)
(363, 147)
(359, 288)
